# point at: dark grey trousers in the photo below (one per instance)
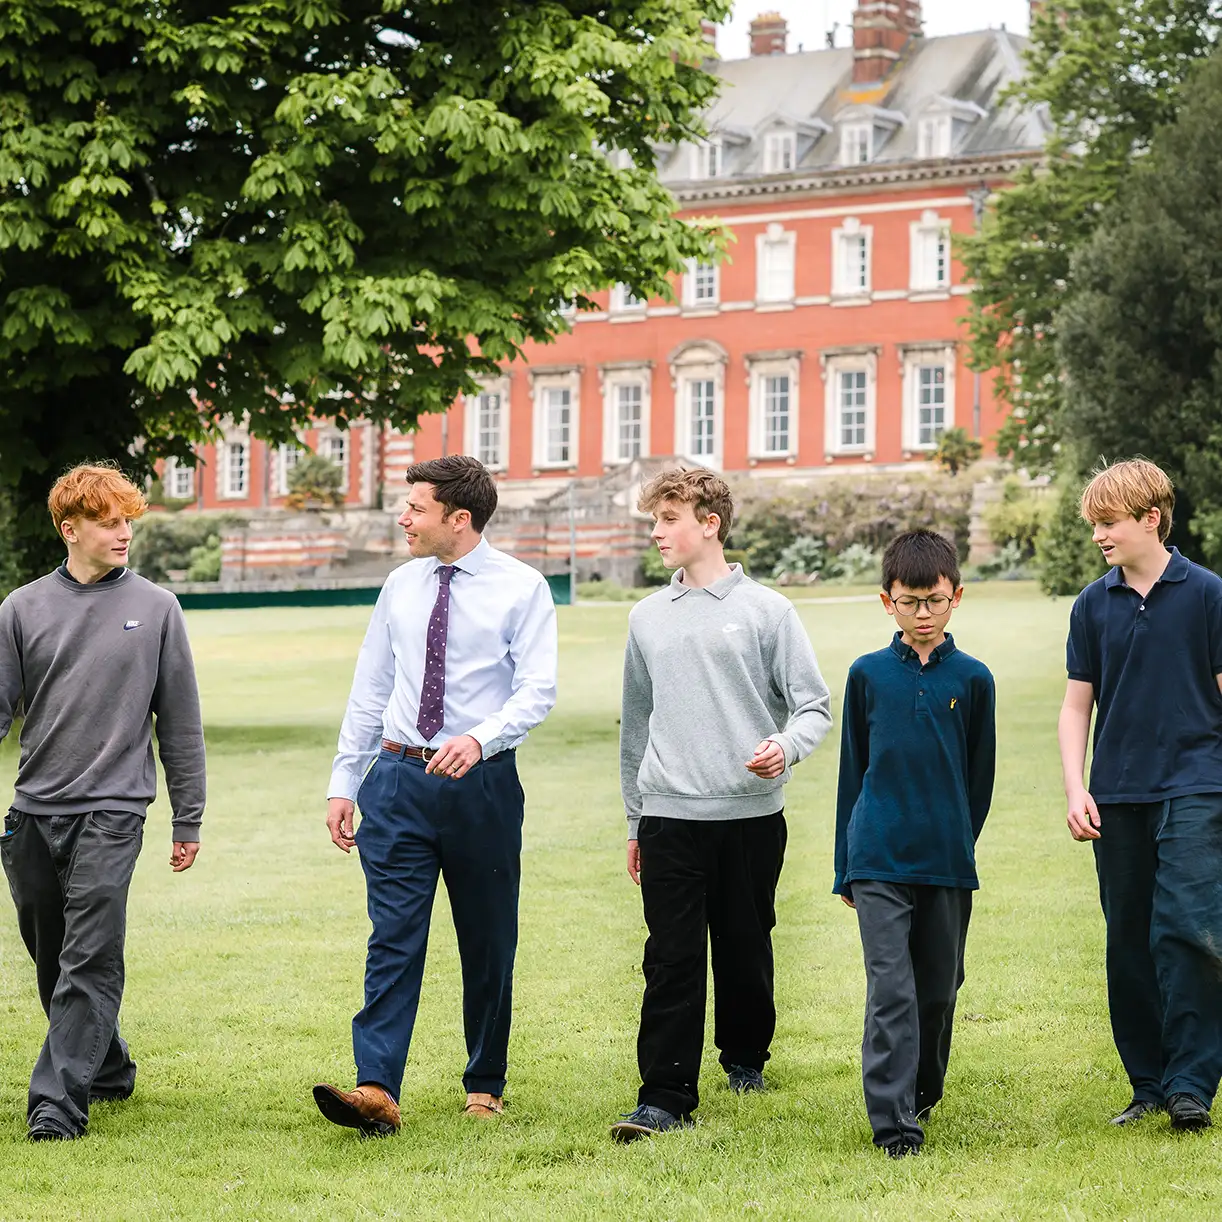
(913, 939)
(69, 876)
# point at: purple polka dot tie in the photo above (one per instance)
(433, 691)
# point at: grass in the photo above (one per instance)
(243, 975)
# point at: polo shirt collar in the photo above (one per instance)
(1176, 570)
(906, 652)
(719, 589)
(473, 561)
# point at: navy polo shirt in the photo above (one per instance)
(917, 751)
(1153, 663)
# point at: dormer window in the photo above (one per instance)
(780, 152)
(934, 136)
(707, 159)
(857, 144)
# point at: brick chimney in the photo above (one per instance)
(708, 30)
(769, 34)
(881, 30)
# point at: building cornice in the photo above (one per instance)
(856, 178)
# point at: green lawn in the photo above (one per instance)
(243, 975)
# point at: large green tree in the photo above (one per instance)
(281, 207)
(1105, 75)
(1141, 339)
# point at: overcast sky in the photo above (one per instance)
(809, 20)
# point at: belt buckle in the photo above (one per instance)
(427, 753)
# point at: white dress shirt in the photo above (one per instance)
(500, 661)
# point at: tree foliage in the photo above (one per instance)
(1106, 75)
(1142, 337)
(297, 207)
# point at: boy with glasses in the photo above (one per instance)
(916, 780)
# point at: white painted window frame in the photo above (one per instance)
(923, 238)
(773, 242)
(690, 281)
(780, 151)
(854, 139)
(613, 378)
(915, 358)
(541, 385)
(227, 490)
(175, 468)
(834, 365)
(852, 231)
(699, 363)
(471, 422)
(759, 370)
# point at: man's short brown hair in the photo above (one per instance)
(459, 482)
(96, 491)
(704, 490)
(1129, 489)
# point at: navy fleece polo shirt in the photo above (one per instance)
(1153, 663)
(917, 751)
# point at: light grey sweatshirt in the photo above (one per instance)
(96, 663)
(709, 674)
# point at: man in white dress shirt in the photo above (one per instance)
(458, 665)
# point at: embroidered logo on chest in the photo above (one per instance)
(131, 623)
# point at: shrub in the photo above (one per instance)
(653, 571)
(1065, 558)
(206, 560)
(806, 556)
(1018, 517)
(608, 591)
(957, 451)
(314, 481)
(163, 541)
(856, 563)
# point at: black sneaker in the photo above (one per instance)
(48, 1132)
(1188, 1114)
(744, 1079)
(903, 1148)
(646, 1121)
(1135, 1111)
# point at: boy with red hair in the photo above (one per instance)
(96, 652)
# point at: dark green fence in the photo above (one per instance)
(361, 596)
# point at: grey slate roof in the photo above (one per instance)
(815, 89)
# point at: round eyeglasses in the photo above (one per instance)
(909, 604)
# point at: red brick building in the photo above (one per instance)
(831, 335)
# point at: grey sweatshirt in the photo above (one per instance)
(708, 675)
(96, 663)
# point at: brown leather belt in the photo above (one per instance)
(411, 753)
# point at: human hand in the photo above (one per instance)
(183, 854)
(1083, 816)
(634, 861)
(454, 759)
(340, 812)
(846, 899)
(768, 761)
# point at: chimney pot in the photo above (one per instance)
(881, 31)
(769, 34)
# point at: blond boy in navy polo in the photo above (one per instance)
(1145, 657)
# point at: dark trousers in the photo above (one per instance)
(413, 828)
(1160, 884)
(69, 876)
(702, 882)
(913, 939)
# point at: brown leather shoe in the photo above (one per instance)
(485, 1105)
(368, 1108)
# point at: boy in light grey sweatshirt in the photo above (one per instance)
(96, 652)
(722, 696)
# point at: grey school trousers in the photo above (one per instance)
(69, 876)
(913, 939)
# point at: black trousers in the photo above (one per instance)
(1160, 884)
(69, 876)
(706, 882)
(913, 939)
(414, 829)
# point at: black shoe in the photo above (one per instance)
(1188, 1114)
(1136, 1110)
(48, 1132)
(744, 1079)
(646, 1121)
(903, 1148)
